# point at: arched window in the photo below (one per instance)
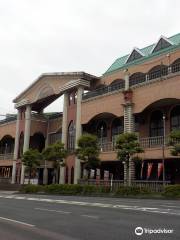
(71, 136)
(71, 98)
(175, 66)
(158, 71)
(117, 127)
(137, 78)
(156, 124)
(102, 130)
(175, 118)
(117, 84)
(7, 145)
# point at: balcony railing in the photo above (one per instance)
(148, 142)
(104, 90)
(8, 156)
(165, 71)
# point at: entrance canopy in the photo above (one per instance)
(48, 87)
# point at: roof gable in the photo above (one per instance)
(135, 54)
(162, 43)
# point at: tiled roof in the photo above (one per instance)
(121, 62)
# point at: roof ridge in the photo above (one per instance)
(145, 50)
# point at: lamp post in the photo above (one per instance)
(163, 147)
(102, 138)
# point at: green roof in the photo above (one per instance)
(121, 62)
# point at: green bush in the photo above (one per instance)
(172, 191)
(133, 191)
(63, 189)
(31, 188)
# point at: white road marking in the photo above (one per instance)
(90, 216)
(52, 210)
(102, 205)
(173, 206)
(15, 221)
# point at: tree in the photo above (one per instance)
(175, 142)
(31, 159)
(88, 151)
(56, 153)
(127, 146)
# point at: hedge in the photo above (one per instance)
(172, 191)
(65, 189)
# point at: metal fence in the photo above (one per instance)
(154, 186)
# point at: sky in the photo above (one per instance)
(40, 36)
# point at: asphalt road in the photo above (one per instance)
(36, 217)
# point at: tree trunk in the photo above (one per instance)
(29, 176)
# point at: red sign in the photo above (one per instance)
(149, 170)
(160, 168)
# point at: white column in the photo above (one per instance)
(45, 171)
(77, 167)
(126, 79)
(64, 120)
(16, 147)
(64, 136)
(27, 131)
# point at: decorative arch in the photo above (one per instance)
(137, 78)
(117, 84)
(175, 66)
(45, 92)
(158, 71)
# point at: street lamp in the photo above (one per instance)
(102, 138)
(163, 147)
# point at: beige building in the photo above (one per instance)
(140, 92)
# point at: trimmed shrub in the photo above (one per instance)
(63, 189)
(31, 188)
(172, 191)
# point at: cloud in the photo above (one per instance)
(51, 36)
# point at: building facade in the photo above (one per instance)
(140, 92)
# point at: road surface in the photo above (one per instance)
(36, 217)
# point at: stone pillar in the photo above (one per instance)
(45, 171)
(77, 167)
(16, 147)
(128, 118)
(64, 136)
(27, 132)
(64, 120)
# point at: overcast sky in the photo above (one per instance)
(38, 36)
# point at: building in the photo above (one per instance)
(140, 92)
